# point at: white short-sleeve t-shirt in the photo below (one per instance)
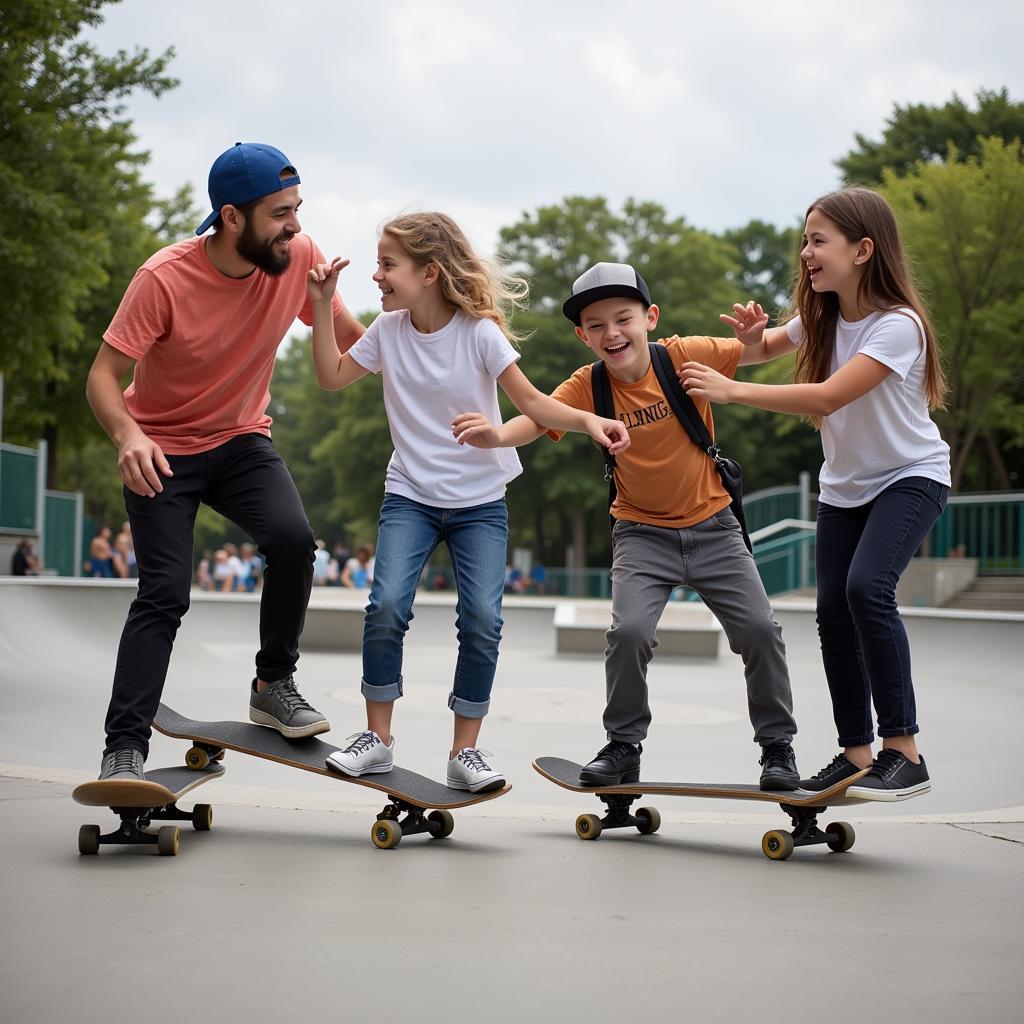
(428, 380)
(887, 434)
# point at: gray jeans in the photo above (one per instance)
(647, 564)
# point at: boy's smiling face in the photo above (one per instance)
(616, 329)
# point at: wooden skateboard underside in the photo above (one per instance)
(310, 755)
(163, 786)
(567, 774)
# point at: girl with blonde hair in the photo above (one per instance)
(441, 344)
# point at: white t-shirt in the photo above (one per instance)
(887, 434)
(428, 380)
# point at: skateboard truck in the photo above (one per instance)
(778, 845)
(390, 828)
(646, 821)
(135, 821)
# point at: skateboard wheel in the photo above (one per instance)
(197, 759)
(588, 826)
(445, 820)
(840, 836)
(649, 820)
(167, 840)
(386, 834)
(202, 817)
(777, 845)
(89, 840)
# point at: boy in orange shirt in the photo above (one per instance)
(672, 524)
(199, 328)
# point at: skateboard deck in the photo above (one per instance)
(408, 793)
(139, 803)
(803, 806)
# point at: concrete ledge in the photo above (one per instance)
(686, 630)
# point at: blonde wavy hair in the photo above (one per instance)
(481, 289)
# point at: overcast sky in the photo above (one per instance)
(722, 112)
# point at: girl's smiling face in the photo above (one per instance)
(401, 282)
(831, 260)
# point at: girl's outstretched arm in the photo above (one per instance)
(476, 429)
(760, 342)
(850, 382)
(334, 370)
(612, 434)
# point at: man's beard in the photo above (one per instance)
(262, 254)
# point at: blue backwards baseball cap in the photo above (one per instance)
(247, 171)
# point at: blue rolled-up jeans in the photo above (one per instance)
(860, 554)
(477, 539)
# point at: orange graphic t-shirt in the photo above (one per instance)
(663, 479)
(205, 344)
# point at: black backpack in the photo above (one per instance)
(686, 413)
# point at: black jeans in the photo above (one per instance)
(246, 481)
(860, 554)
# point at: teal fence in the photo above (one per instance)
(27, 509)
(18, 489)
(988, 527)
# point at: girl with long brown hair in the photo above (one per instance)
(442, 343)
(868, 372)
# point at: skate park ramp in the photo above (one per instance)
(289, 878)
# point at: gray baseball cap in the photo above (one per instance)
(604, 281)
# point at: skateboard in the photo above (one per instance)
(408, 794)
(139, 803)
(801, 805)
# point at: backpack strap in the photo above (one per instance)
(601, 388)
(681, 403)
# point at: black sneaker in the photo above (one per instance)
(125, 764)
(280, 706)
(892, 777)
(615, 763)
(779, 767)
(837, 770)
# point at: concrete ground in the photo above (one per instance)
(285, 910)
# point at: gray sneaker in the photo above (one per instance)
(124, 764)
(280, 706)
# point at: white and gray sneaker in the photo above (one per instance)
(364, 753)
(468, 769)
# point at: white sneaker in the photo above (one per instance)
(365, 753)
(468, 770)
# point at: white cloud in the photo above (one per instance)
(720, 112)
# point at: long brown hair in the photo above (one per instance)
(478, 287)
(887, 284)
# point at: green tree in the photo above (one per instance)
(963, 221)
(767, 258)
(918, 132)
(77, 217)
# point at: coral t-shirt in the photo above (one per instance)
(205, 344)
(663, 479)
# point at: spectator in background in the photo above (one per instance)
(358, 571)
(539, 578)
(237, 569)
(101, 555)
(321, 564)
(252, 568)
(223, 573)
(24, 561)
(124, 554)
(204, 574)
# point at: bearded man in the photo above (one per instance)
(200, 326)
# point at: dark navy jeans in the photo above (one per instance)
(477, 540)
(860, 554)
(246, 481)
